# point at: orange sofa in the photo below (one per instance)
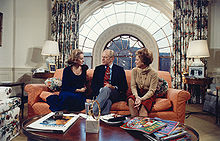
(171, 108)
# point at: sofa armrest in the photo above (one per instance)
(178, 98)
(34, 91)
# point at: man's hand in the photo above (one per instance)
(109, 86)
(137, 102)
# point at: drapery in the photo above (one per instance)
(190, 22)
(65, 27)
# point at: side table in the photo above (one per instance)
(21, 84)
(197, 83)
(217, 118)
(43, 75)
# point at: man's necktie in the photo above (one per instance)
(107, 75)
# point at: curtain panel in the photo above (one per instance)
(65, 27)
(190, 22)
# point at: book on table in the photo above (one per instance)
(53, 123)
(143, 124)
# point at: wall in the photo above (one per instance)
(6, 51)
(25, 28)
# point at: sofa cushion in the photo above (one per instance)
(54, 84)
(120, 106)
(45, 94)
(161, 104)
(162, 88)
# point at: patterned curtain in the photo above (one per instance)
(65, 27)
(190, 22)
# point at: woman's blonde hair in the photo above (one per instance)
(74, 56)
(145, 55)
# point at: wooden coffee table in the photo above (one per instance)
(78, 132)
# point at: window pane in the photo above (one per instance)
(99, 15)
(163, 43)
(158, 35)
(85, 30)
(89, 43)
(138, 19)
(93, 35)
(120, 17)
(98, 29)
(131, 6)
(119, 7)
(153, 28)
(108, 10)
(142, 8)
(129, 17)
(146, 23)
(104, 23)
(161, 20)
(81, 39)
(168, 29)
(153, 13)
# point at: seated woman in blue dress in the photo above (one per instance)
(72, 96)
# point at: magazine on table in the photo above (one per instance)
(53, 122)
(171, 126)
(160, 135)
(143, 124)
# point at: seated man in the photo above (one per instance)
(109, 83)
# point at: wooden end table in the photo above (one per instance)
(78, 132)
(43, 75)
(200, 84)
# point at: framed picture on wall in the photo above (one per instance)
(52, 67)
(196, 71)
(1, 22)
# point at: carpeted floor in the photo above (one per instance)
(202, 122)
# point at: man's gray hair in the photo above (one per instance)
(110, 52)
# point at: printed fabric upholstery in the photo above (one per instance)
(5, 92)
(9, 115)
(54, 84)
(162, 88)
(9, 103)
(10, 124)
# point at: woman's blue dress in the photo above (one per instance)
(68, 99)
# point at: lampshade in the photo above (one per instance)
(50, 48)
(198, 49)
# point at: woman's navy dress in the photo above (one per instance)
(68, 99)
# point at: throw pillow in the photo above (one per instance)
(162, 88)
(54, 84)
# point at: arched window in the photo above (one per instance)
(137, 13)
(125, 47)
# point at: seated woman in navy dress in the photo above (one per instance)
(72, 96)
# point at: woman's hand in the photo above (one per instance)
(82, 90)
(137, 102)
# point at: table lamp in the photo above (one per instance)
(198, 49)
(50, 49)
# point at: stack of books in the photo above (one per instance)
(157, 129)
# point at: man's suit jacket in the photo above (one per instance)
(118, 79)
